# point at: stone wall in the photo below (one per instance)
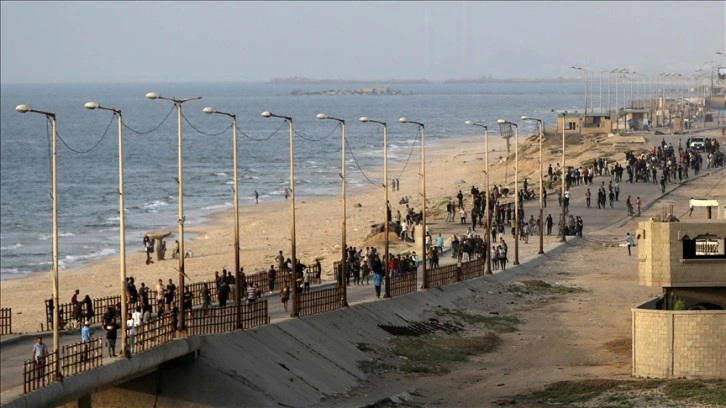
(671, 344)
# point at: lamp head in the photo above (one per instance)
(91, 105)
(364, 119)
(23, 108)
(469, 122)
(403, 120)
(321, 116)
(266, 114)
(152, 95)
(501, 121)
(524, 117)
(209, 110)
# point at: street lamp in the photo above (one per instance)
(421, 127)
(540, 125)
(487, 235)
(121, 215)
(295, 298)
(237, 295)
(587, 72)
(344, 245)
(178, 103)
(54, 247)
(516, 187)
(365, 119)
(562, 177)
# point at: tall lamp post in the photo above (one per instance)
(343, 244)
(421, 127)
(54, 247)
(587, 72)
(386, 274)
(516, 187)
(237, 295)
(121, 216)
(487, 235)
(295, 297)
(540, 126)
(178, 103)
(563, 115)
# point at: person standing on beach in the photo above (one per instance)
(287, 193)
(257, 197)
(280, 259)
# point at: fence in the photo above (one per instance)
(319, 301)
(38, 374)
(6, 320)
(403, 283)
(224, 319)
(153, 333)
(472, 269)
(441, 276)
(80, 357)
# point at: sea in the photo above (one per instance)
(88, 152)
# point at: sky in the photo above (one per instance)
(146, 41)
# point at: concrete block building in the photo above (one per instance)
(683, 332)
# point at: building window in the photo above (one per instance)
(704, 246)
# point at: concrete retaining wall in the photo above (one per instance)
(670, 344)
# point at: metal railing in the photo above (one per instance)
(224, 319)
(472, 269)
(321, 300)
(154, 333)
(403, 283)
(6, 320)
(39, 373)
(442, 275)
(79, 357)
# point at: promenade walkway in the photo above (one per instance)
(17, 348)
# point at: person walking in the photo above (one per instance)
(40, 352)
(630, 241)
(206, 297)
(86, 335)
(285, 295)
(637, 205)
(377, 280)
(111, 336)
(131, 330)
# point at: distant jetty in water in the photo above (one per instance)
(303, 80)
(383, 90)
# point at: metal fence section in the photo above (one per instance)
(403, 283)
(224, 319)
(321, 300)
(153, 333)
(80, 357)
(442, 275)
(38, 374)
(6, 320)
(472, 269)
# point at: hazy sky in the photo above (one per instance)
(257, 41)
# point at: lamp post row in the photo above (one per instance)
(181, 218)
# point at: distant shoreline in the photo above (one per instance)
(311, 81)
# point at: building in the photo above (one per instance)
(683, 332)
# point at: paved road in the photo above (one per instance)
(16, 349)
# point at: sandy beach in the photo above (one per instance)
(456, 164)
(265, 229)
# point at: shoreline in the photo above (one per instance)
(455, 164)
(265, 230)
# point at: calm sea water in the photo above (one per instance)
(88, 159)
